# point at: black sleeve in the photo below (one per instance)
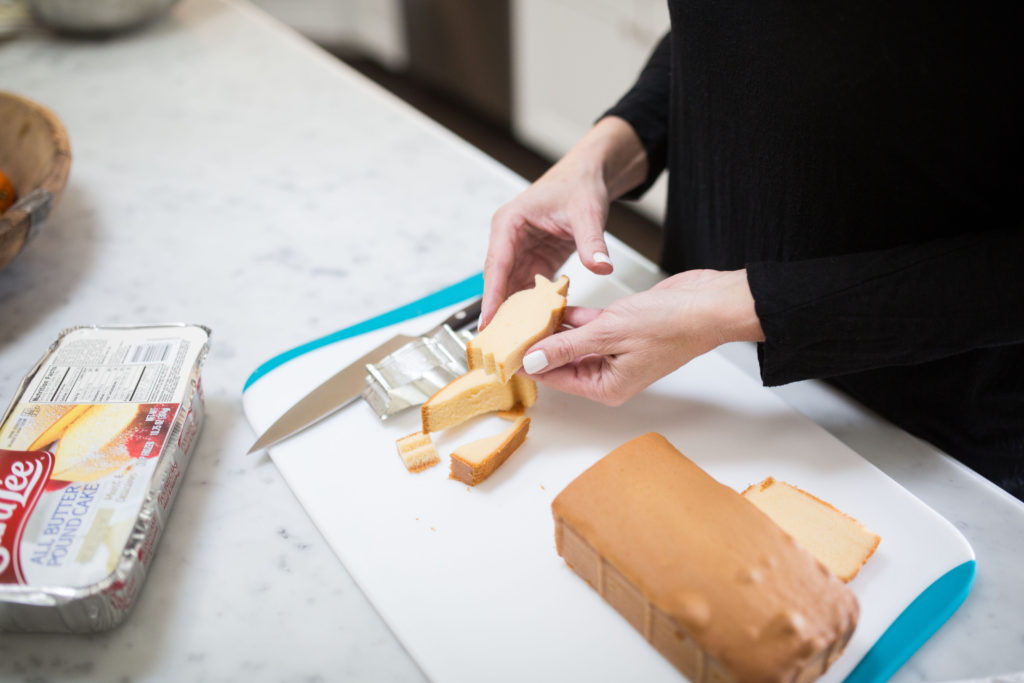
(645, 107)
(911, 304)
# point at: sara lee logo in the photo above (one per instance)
(23, 474)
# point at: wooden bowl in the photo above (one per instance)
(36, 156)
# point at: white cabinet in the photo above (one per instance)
(374, 27)
(571, 60)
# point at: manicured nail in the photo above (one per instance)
(602, 257)
(534, 362)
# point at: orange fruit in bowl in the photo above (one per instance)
(7, 194)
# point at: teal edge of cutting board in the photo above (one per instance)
(905, 635)
(915, 625)
(453, 294)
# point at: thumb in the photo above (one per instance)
(564, 347)
(588, 233)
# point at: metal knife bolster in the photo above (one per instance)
(345, 385)
(415, 372)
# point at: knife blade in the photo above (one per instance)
(346, 384)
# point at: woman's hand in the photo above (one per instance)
(612, 354)
(564, 210)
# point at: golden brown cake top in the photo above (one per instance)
(737, 583)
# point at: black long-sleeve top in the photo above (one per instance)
(863, 161)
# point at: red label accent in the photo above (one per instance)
(173, 475)
(23, 475)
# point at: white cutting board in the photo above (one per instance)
(468, 578)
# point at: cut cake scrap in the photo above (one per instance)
(522, 320)
(417, 452)
(472, 394)
(839, 541)
(475, 461)
(712, 583)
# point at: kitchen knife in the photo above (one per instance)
(346, 385)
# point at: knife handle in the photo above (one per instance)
(466, 317)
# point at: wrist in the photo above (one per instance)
(742, 323)
(610, 153)
(729, 309)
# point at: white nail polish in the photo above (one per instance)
(602, 257)
(534, 362)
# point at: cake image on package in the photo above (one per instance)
(89, 442)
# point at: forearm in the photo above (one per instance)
(901, 306)
(610, 153)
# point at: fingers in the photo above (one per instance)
(588, 233)
(564, 347)
(592, 377)
(501, 254)
(578, 316)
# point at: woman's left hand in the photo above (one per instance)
(609, 355)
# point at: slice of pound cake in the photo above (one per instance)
(840, 542)
(473, 394)
(711, 582)
(477, 460)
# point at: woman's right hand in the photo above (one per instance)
(564, 210)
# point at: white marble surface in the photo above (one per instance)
(228, 173)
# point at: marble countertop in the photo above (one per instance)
(227, 172)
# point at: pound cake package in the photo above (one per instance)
(92, 450)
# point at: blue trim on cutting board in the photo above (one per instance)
(915, 625)
(453, 294)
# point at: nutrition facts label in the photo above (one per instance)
(115, 366)
(137, 384)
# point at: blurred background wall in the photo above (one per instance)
(522, 79)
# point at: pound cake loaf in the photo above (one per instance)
(712, 583)
(522, 320)
(472, 394)
(477, 460)
(839, 541)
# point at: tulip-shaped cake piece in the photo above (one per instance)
(522, 320)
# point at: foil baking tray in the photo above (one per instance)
(92, 451)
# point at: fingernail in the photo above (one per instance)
(534, 362)
(602, 257)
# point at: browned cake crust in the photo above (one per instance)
(715, 586)
(474, 462)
